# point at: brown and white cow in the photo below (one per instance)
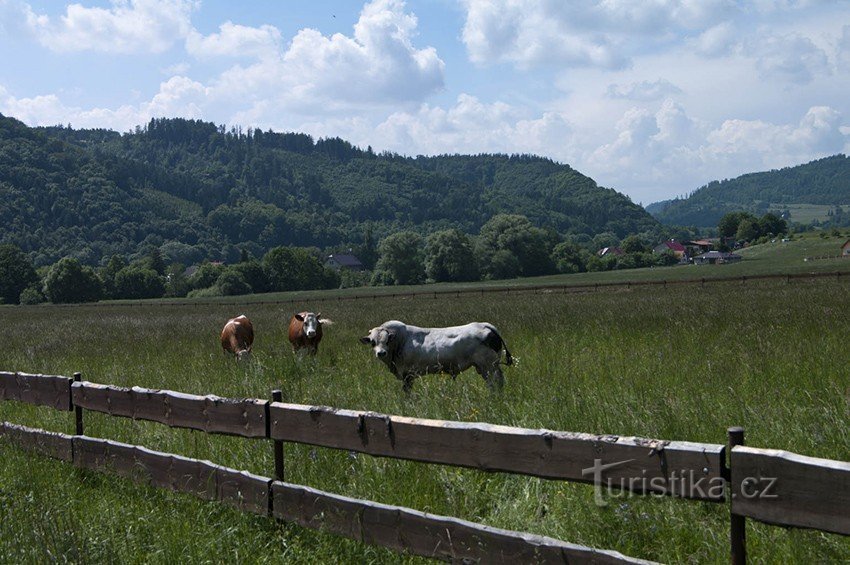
(237, 337)
(305, 332)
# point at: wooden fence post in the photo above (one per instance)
(277, 396)
(78, 411)
(738, 524)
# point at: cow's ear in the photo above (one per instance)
(319, 316)
(366, 340)
(299, 317)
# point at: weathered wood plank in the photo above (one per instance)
(41, 390)
(245, 491)
(418, 533)
(194, 477)
(690, 470)
(49, 444)
(212, 414)
(787, 489)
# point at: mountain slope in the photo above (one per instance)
(822, 182)
(195, 190)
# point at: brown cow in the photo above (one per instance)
(305, 332)
(237, 337)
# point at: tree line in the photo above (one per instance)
(507, 246)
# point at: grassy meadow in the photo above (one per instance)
(678, 363)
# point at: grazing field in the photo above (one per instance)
(804, 213)
(679, 363)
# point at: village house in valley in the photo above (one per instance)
(674, 247)
(344, 261)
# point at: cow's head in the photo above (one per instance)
(243, 355)
(381, 339)
(311, 322)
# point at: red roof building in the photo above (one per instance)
(677, 248)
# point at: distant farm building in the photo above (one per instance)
(674, 246)
(192, 269)
(344, 261)
(845, 249)
(703, 245)
(609, 251)
(716, 258)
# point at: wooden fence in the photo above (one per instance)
(770, 486)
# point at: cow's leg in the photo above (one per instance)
(492, 376)
(497, 379)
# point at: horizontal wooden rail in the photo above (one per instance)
(211, 414)
(49, 444)
(40, 390)
(690, 470)
(393, 527)
(247, 492)
(788, 489)
(418, 533)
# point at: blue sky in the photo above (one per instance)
(653, 98)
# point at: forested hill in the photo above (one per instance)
(824, 182)
(197, 191)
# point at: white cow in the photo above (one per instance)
(409, 351)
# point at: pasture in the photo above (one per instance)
(678, 363)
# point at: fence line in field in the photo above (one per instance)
(766, 485)
(484, 290)
(395, 527)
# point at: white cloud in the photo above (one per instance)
(134, 26)
(668, 149)
(599, 34)
(13, 15)
(235, 40)
(379, 65)
(315, 79)
(818, 133)
(718, 41)
(843, 50)
(643, 90)
(471, 126)
(789, 58)
(177, 97)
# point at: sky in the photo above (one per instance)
(653, 98)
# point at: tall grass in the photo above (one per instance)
(682, 363)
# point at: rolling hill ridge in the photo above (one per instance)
(197, 191)
(803, 193)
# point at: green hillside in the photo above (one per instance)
(817, 191)
(197, 191)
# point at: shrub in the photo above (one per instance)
(31, 295)
(205, 292)
(232, 283)
(69, 281)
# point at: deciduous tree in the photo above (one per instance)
(401, 256)
(69, 281)
(16, 273)
(449, 257)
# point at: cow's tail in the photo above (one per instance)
(495, 342)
